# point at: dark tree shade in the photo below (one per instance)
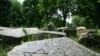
(91, 10)
(5, 6)
(39, 12)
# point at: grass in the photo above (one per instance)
(4, 48)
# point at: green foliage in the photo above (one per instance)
(11, 13)
(5, 6)
(25, 32)
(91, 10)
(4, 48)
(28, 38)
(71, 25)
(31, 13)
(22, 41)
(16, 16)
(41, 11)
(79, 21)
(65, 6)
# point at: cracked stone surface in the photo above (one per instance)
(51, 47)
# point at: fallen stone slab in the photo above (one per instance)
(4, 28)
(50, 27)
(62, 28)
(51, 47)
(19, 32)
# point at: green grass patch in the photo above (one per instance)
(74, 38)
(4, 48)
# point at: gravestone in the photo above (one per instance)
(52, 47)
(17, 34)
(20, 32)
(50, 27)
(81, 30)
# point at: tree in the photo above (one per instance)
(31, 13)
(65, 6)
(42, 11)
(10, 13)
(48, 9)
(5, 6)
(79, 21)
(16, 16)
(91, 10)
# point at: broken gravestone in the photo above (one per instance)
(52, 47)
(16, 35)
(81, 30)
(19, 32)
(50, 27)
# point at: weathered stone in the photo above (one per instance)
(50, 27)
(17, 33)
(81, 30)
(83, 35)
(52, 47)
(62, 29)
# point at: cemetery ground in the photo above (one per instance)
(6, 47)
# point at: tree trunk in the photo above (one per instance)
(64, 20)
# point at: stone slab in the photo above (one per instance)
(52, 47)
